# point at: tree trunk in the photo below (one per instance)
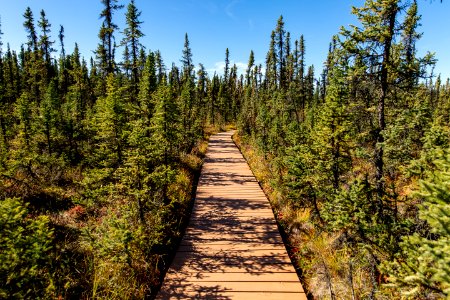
(379, 152)
(3, 129)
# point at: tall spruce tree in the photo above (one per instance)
(160, 67)
(250, 65)
(271, 65)
(63, 74)
(186, 60)
(187, 93)
(126, 63)
(201, 94)
(166, 124)
(280, 52)
(110, 126)
(105, 50)
(132, 34)
(45, 42)
(225, 92)
(166, 135)
(49, 112)
(3, 104)
(373, 44)
(23, 110)
(213, 92)
(147, 87)
(31, 29)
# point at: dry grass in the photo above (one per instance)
(257, 164)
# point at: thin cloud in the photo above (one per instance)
(209, 6)
(241, 67)
(251, 24)
(229, 9)
(219, 68)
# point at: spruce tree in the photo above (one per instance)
(280, 49)
(105, 50)
(186, 60)
(36, 72)
(374, 45)
(160, 67)
(250, 65)
(225, 91)
(141, 157)
(49, 112)
(187, 93)
(61, 41)
(322, 163)
(188, 103)
(12, 75)
(300, 76)
(23, 111)
(147, 87)
(166, 135)
(410, 36)
(132, 34)
(175, 79)
(78, 103)
(201, 94)
(26, 256)
(3, 104)
(166, 124)
(110, 126)
(126, 63)
(101, 52)
(31, 29)
(63, 75)
(213, 92)
(45, 43)
(226, 70)
(422, 268)
(271, 65)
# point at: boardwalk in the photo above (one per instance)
(232, 248)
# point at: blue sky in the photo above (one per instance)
(214, 25)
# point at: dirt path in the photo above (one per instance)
(232, 248)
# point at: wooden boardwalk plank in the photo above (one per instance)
(243, 276)
(233, 286)
(218, 293)
(185, 270)
(212, 248)
(232, 248)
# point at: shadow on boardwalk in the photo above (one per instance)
(231, 248)
(200, 292)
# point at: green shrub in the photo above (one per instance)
(25, 244)
(422, 268)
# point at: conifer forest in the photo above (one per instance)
(100, 156)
